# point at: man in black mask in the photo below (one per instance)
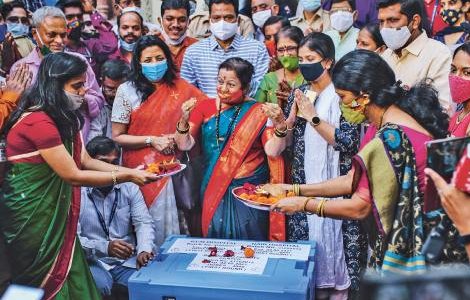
(96, 49)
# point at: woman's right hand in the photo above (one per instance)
(141, 177)
(18, 81)
(186, 109)
(164, 144)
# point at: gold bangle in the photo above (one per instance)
(114, 177)
(296, 189)
(322, 211)
(281, 131)
(305, 204)
(184, 131)
(319, 207)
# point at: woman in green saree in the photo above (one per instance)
(40, 202)
(276, 86)
(387, 179)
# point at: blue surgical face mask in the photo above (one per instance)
(129, 47)
(18, 29)
(310, 5)
(154, 71)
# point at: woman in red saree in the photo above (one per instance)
(145, 112)
(235, 141)
(40, 205)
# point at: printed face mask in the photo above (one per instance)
(351, 115)
(289, 62)
(232, 99)
(451, 16)
(43, 48)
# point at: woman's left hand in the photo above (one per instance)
(274, 112)
(304, 105)
(289, 205)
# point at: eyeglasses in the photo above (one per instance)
(23, 20)
(287, 49)
(71, 17)
(126, 3)
(109, 91)
(332, 11)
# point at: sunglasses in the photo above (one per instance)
(70, 17)
(23, 20)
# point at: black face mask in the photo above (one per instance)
(311, 72)
(90, 35)
(75, 34)
(450, 16)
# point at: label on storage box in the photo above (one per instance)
(235, 264)
(262, 249)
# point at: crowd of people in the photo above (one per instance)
(334, 105)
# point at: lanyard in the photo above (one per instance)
(434, 12)
(111, 216)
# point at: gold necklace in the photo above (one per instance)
(462, 116)
(382, 117)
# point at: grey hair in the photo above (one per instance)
(44, 12)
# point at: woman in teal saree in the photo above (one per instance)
(40, 202)
(234, 137)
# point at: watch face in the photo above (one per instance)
(315, 120)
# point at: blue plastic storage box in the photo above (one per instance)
(184, 270)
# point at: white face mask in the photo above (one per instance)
(171, 41)
(75, 101)
(259, 18)
(223, 30)
(342, 20)
(395, 38)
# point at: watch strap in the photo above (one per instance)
(464, 239)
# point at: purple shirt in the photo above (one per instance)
(93, 97)
(367, 10)
(97, 50)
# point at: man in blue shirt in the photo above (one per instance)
(202, 60)
(115, 228)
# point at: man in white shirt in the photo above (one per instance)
(411, 53)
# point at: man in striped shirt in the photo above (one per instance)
(202, 60)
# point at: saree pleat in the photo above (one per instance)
(39, 215)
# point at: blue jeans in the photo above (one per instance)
(105, 279)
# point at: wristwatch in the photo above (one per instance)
(464, 239)
(148, 141)
(315, 121)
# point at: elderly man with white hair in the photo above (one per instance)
(49, 30)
